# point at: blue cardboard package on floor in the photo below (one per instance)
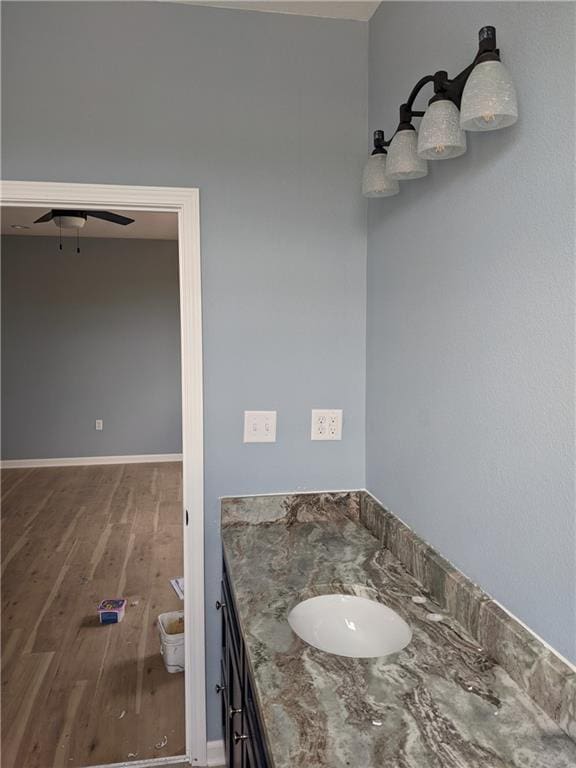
(112, 611)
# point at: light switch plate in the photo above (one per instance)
(98, 425)
(259, 426)
(326, 424)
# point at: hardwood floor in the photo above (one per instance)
(74, 692)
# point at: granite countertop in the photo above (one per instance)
(439, 703)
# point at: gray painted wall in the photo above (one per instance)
(470, 384)
(94, 335)
(267, 115)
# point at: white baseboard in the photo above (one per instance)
(142, 458)
(215, 753)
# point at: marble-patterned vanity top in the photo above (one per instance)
(442, 702)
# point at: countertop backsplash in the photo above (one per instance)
(544, 675)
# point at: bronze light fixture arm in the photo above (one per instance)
(444, 87)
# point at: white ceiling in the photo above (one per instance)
(328, 9)
(147, 225)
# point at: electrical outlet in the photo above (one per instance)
(259, 426)
(326, 424)
(98, 425)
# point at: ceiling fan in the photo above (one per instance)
(68, 219)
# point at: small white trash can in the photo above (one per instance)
(172, 640)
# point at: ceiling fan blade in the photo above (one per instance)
(47, 217)
(115, 218)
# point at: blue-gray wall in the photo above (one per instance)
(470, 383)
(267, 115)
(94, 335)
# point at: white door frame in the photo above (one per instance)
(185, 203)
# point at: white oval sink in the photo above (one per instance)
(349, 626)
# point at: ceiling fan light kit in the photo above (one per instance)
(481, 98)
(66, 221)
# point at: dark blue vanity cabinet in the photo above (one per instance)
(243, 740)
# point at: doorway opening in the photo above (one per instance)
(104, 502)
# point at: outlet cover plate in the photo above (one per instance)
(326, 424)
(259, 426)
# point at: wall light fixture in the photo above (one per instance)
(481, 98)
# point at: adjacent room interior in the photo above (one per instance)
(92, 489)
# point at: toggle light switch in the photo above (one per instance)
(259, 426)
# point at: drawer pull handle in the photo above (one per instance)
(220, 688)
(233, 711)
(238, 738)
(220, 605)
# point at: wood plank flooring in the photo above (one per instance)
(76, 693)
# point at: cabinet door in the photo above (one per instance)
(234, 637)
(248, 756)
(243, 740)
(255, 749)
(224, 708)
(231, 690)
(235, 713)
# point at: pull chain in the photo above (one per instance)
(78, 241)
(60, 223)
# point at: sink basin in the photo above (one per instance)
(349, 626)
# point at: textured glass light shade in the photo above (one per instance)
(403, 162)
(375, 183)
(489, 98)
(440, 136)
